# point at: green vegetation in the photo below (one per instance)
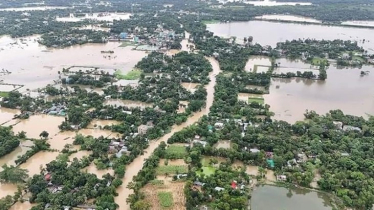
(131, 75)
(157, 182)
(4, 94)
(206, 171)
(162, 170)
(257, 100)
(166, 199)
(210, 21)
(317, 61)
(126, 44)
(176, 152)
(8, 141)
(12, 174)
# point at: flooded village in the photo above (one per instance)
(163, 110)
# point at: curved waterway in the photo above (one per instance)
(133, 168)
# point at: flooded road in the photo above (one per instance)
(133, 168)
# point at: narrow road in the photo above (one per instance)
(133, 168)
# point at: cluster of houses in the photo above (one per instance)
(340, 126)
(118, 147)
(56, 109)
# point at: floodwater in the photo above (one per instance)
(37, 124)
(18, 9)
(7, 114)
(127, 103)
(96, 133)
(44, 63)
(109, 17)
(102, 123)
(279, 198)
(133, 168)
(38, 161)
(288, 18)
(268, 3)
(186, 45)
(359, 23)
(22, 206)
(269, 33)
(286, 65)
(10, 158)
(343, 89)
(79, 154)
(253, 87)
(61, 139)
(99, 173)
(262, 62)
(224, 144)
(7, 189)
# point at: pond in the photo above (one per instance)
(286, 65)
(288, 18)
(279, 198)
(45, 63)
(269, 33)
(343, 89)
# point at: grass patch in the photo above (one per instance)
(4, 94)
(210, 21)
(176, 152)
(132, 75)
(206, 170)
(358, 58)
(157, 182)
(316, 61)
(162, 170)
(258, 100)
(126, 44)
(165, 198)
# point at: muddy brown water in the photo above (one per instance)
(44, 63)
(343, 89)
(37, 124)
